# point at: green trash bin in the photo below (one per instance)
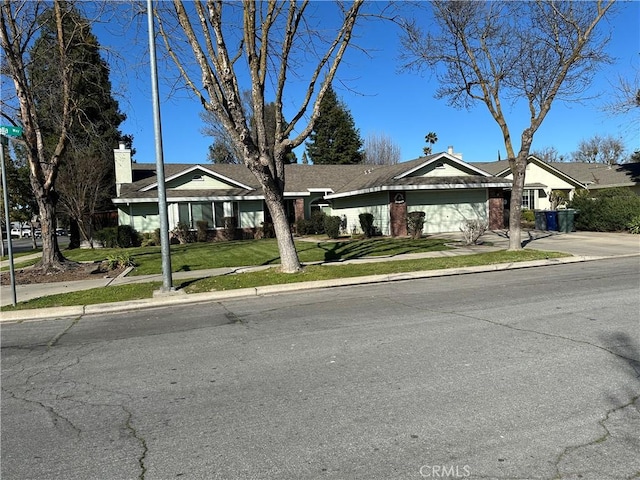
(541, 220)
(565, 220)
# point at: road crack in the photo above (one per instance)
(601, 439)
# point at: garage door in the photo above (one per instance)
(446, 211)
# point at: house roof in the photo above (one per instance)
(590, 175)
(598, 175)
(332, 180)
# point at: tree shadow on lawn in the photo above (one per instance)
(339, 251)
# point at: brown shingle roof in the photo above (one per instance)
(299, 178)
(590, 174)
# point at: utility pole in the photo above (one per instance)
(165, 249)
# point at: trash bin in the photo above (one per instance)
(541, 220)
(565, 220)
(552, 220)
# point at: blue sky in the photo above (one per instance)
(399, 105)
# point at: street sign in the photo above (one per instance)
(10, 131)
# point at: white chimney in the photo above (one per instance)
(122, 159)
(450, 152)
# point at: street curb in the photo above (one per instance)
(173, 300)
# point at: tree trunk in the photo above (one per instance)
(52, 258)
(515, 213)
(288, 255)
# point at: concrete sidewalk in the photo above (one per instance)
(583, 246)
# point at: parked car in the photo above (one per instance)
(24, 232)
(61, 232)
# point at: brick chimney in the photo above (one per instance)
(122, 158)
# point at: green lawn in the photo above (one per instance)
(272, 276)
(201, 256)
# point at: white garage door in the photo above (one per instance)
(447, 210)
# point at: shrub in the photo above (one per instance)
(528, 216)
(304, 227)
(366, 224)
(127, 237)
(634, 225)
(148, 240)
(120, 260)
(317, 221)
(122, 236)
(108, 237)
(415, 223)
(332, 226)
(557, 198)
(229, 229)
(472, 230)
(268, 230)
(182, 233)
(607, 210)
(202, 230)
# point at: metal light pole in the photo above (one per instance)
(167, 284)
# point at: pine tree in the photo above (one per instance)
(334, 139)
(86, 178)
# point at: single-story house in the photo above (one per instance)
(542, 178)
(449, 190)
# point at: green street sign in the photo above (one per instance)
(10, 131)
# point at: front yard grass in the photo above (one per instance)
(272, 276)
(242, 253)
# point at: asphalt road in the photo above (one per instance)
(527, 374)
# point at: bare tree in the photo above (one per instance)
(264, 45)
(520, 54)
(548, 154)
(608, 150)
(379, 149)
(19, 27)
(626, 95)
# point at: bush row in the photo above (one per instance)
(607, 210)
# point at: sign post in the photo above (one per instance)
(8, 131)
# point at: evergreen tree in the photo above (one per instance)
(220, 152)
(334, 138)
(86, 179)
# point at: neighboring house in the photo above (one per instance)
(447, 189)
(542, 178)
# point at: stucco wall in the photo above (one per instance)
(536, 174)
(377, 204)
(446, 210)
(186, 182)
(440, 169)
(145, 217)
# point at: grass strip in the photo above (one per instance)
(272, 276)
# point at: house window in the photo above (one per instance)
(192, 213)
(183, 213)
(224, 209)
(201, 212)
(197, 178)
(528, 199)
(218, 208)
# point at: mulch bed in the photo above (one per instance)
(79, 271)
